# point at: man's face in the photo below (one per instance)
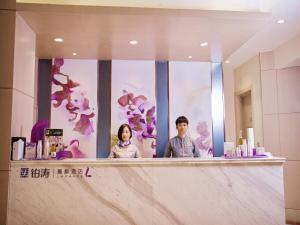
(182, 128)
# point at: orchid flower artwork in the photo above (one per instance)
(72, 99)
(203, 141)
(141, 117)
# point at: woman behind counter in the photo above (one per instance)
(124, 148)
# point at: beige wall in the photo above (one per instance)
(247, 77)
(17, 55)
(7, 24)
(281, 122)
(288, 54)
(228, 80)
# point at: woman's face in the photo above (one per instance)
(125, 134)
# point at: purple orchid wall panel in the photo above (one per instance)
(74, 104)
(190, 96)
(133, 102)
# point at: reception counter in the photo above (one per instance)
(147, 191)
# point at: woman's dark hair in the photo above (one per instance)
(181, 119)
(120, 131)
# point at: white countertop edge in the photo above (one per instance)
(150, 161)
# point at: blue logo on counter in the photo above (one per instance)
(35, 173)
(58, 173)
(24, 172)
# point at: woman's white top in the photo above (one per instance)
(129, 151)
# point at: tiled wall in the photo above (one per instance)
(7, 24)
(281, 125)
(17, 55)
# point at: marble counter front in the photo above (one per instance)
(147, 191)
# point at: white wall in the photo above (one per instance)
(281, 122)
(228, 81)
(23, 80)
(288, 54)
(247, 77)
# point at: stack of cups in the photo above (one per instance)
(250, 138)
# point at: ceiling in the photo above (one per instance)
(228, 5)
(163, 31)
(271, 35)
(105, 32)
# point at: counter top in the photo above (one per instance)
(150, 161)
(147, 191)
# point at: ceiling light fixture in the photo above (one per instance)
(74, 53)
(190, 57)
(227, 61)
(58, 39)
(203, 44)
(281, 21)
(133, 42)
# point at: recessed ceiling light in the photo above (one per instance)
(227, 61)
(203, 44)
(58, 39)
(190, 57)
(133, 42)
(74, 53)
(281, 21)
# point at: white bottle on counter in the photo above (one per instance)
(39, 150)
(244, 148)
(18, 150)
(250, 141)
(46, 150)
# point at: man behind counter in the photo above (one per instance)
(181, 145)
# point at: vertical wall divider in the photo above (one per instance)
(104, 108)
(217, 99)
(44, 89)
(162, 101)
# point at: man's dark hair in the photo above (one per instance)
(120, 131)
(181, 119)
